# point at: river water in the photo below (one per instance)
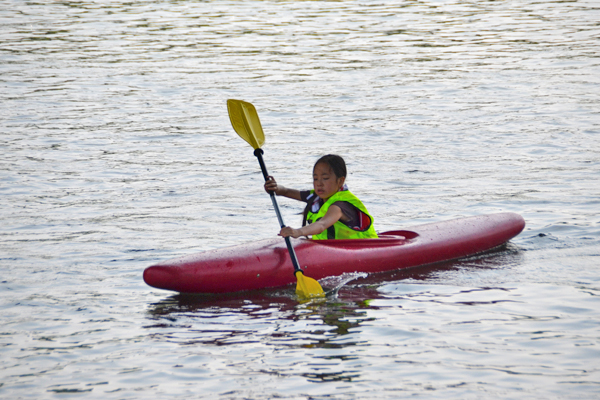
(117, 153)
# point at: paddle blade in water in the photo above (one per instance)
(245, 122)
(307, 287)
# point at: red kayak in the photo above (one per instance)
(266, 263)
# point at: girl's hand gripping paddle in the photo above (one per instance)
(245, 122)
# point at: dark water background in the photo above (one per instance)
(117, 153)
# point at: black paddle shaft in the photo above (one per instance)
(258, 153)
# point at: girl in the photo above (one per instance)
(332, 212)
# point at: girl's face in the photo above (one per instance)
(325, 183)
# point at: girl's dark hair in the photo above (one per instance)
(336, 163)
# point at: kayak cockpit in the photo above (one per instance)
(389, 238)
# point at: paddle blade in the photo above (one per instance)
(245, 122)
(307, 287)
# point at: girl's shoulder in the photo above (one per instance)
(307, 195)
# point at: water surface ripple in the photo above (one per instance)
(117, 153)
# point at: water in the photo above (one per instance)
(117, 153)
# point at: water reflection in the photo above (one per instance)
(319, 320)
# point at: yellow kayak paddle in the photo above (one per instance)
(246, 123)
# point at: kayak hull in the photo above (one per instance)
(266, 263)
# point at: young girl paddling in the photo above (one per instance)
(332, 212)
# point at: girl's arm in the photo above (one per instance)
(272, 186)
(333, 214)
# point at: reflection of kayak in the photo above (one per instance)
(266, 263)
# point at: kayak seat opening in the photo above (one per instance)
(398, 234)
(390, 238)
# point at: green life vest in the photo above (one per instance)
(339, 230)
